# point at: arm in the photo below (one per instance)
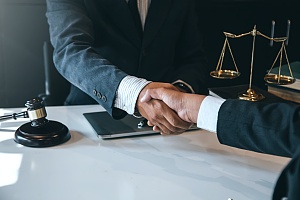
(267, 128)
(75, 57)
(83, 64)
(271, 128)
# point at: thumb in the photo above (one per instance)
(150, 94)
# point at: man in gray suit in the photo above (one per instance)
(112, 50)
(272, 128)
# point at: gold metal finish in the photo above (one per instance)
(277, 79)
(37, 114)
(250, 94)
(225, 74)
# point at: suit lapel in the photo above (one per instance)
(156, 17)
(120, 13)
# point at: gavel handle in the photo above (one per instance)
(14, 116)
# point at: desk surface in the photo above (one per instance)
(190, 166)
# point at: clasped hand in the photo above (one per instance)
(186, 106)
(161, 116)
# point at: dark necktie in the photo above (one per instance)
(136, 15)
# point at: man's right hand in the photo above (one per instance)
(163, 118)
(185, 105)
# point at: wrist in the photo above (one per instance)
(194, 102)
(136, 113)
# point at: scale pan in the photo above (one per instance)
(225, 74)
(279, 80)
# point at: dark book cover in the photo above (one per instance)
(293, 71)
(233, 92)
(285, 70)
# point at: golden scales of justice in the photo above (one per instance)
(271, 78)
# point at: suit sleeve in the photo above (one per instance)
(190, 59)
(267, 128)
(289, 180)
(72, 36)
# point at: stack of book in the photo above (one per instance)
(288, 92)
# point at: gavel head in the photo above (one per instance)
(36, 112)
(40, 132)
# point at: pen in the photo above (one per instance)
(142, 123)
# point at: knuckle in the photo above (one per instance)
(158, 106)
(155, 118)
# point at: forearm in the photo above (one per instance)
(266, 128)
(72, 36)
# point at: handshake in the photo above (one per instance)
(167, 109)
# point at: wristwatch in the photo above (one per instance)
(183, 87)
(136, 113)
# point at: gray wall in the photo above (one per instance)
(23, 28)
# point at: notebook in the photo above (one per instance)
(108, 128)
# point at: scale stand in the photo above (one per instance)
(251, 94)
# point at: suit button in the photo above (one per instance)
(99, 95)
(94, 92)
(104, 98)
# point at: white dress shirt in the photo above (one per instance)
(208, 113)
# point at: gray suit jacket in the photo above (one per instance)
(98, 42)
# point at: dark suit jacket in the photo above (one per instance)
(267, 128)
(98, 42)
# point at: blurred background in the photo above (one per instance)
(24, 29)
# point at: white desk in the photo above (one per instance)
(190, 166)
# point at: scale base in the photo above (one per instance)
(251, 95)
(51, 134)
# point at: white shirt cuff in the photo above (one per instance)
(208, 113)
(128, 92)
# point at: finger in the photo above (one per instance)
(166, 128)
(162, 129)
(149, 123)
(165, 131)
(175, 121)
(156, 129)
(167, 120)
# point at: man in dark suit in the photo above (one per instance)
(112, 50)
(272, 128)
